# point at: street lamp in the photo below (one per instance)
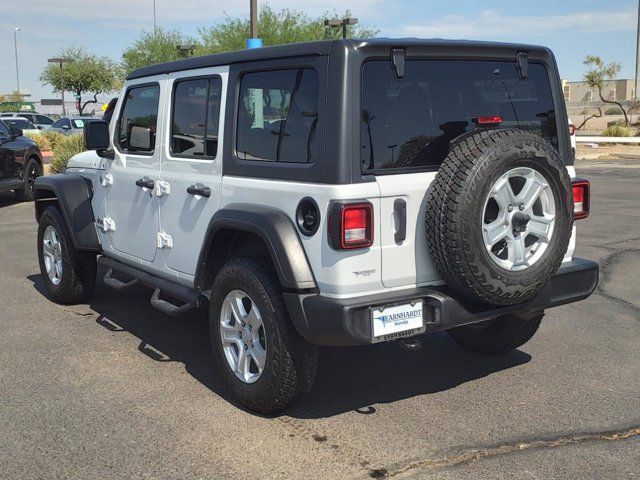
(253, 41)
(185, 49)
(15, 46)
(60, 61)
(336, 23)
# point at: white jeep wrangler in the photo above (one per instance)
(329, 193)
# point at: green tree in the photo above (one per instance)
(598, 73)
(85, 74)
(156, 47)
(275, 28)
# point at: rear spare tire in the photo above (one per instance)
(499, 216)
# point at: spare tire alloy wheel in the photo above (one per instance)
(243, 337)
(518, 219)
(499, 216)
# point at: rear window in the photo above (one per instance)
(409, 123)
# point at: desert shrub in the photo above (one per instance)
(65, 148)
(41, 140)
(613, 111)
(617, 123)
(616, 131)
(46, 140)
(53, 138)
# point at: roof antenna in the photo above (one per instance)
(397, 61)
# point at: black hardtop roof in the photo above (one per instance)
(321, 47)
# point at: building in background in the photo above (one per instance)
(580, 96)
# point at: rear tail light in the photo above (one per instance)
(572, 129)
(489, 120)
(351, 225)
(581, 193)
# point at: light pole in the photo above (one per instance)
(336, 23)
(155, 28)
(253, 41)
(635, 89)
(60, 61)
(15, 46)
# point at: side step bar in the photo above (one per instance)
(190, 298)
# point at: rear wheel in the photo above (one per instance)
(31, 172)
(498, 335)
(69, 275)
(265, 363)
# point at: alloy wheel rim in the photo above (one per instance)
(518, 219)
(32, 174)
(52, 254)
(243, 336)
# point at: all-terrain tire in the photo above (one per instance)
(454, 213)
(79, 268)
(32, 170)
(498, 335)
(291, 362)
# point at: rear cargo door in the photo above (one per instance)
(405, 258)
(407, 128)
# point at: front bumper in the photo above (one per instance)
(341, 322)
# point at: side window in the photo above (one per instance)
(195, 117)
(278, 115)
(44, 120)
(4, 131)
(57, 124)
(137, 126)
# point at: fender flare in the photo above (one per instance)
(73, 194)
(277, 232)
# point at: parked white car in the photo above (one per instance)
(22, 123)
(42, 122)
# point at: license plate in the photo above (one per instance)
(389, 322)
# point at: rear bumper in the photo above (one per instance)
(340, 322)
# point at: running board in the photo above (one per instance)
(190, 298)
(116, 284)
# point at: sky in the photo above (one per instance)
(572, 29)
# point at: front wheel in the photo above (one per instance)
(498, 335)
(265, 363)
(69, 275)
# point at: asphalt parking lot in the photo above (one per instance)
(116, 389)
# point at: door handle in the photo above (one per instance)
(400, 210)
(145, 182)
(199, 189)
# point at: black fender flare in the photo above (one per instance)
(279, 235)
(73, 194)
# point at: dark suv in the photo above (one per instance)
(20, 162)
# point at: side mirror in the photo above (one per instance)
(15, 132)
(65, 127)
(140, 138)
(96, 135)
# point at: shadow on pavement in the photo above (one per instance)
(349, 379)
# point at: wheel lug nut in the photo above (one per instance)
(510, 208)
(246, 347)
(239, 334)
(521, 206)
